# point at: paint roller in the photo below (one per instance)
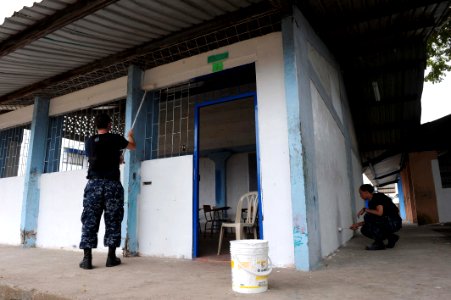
(139, 109)
(134, 121)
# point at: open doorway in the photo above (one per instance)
(225, 165)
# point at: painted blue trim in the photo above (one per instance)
(196, 181)
(220, 160)
(226, 99)
(196, 162)
(402, 206)
(132, 168)
(295, 88)
(34, 169)
(257, 151)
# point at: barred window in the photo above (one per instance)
(67, 135)
(14, 145)
(170, 111)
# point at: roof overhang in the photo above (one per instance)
(57, 47)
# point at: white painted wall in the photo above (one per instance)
(11, 209)
(266, 52)
(358, 181)
(165, 208)
(443, 195)
(16, 117)
(207, 182)
(98, 94)
(60, 207)
(274, 153)
(331, 176)
(237, 181)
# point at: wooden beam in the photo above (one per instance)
(52, 23)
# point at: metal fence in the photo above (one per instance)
(67, 135)
(14, 145)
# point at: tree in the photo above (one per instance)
(439, 53)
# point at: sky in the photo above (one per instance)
(435, 101)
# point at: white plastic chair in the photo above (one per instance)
(249, 201)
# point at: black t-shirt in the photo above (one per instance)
(390, 209)
(104, 152)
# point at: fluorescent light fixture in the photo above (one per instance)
(377, 95)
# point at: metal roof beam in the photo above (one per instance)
(129, 54)
(51, 23)
(386, 9)
(393, 101)
(385, 68)
(388, 175)
(378, 159)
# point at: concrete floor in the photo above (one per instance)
(419, 267)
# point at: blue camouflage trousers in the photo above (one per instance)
(102, 195)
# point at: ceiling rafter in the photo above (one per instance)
(51, 23)
(130, 54)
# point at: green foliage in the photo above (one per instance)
(439, 53)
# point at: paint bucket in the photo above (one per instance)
(250, 265)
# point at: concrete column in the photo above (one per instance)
(132, 177)
(220, 160)
(305, 211)
(34, 169)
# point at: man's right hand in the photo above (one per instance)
(355, 226)
(361, 212)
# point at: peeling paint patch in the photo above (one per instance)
(28, 238)
(300, 237)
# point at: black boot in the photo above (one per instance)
(112, 260)
(86, 263)
(392, 239)
(377, 245)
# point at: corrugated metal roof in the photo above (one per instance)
(377, 43)
(122, 25)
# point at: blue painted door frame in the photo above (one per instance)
(196, 161)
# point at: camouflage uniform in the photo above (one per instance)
(100, 195)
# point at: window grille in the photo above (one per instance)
(14, 145)
(67, 135)
(171, 123)
(170, 116)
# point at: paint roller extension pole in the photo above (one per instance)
(139, 109)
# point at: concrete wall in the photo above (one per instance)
(423, 186)
(206, 182)
(330, 160)
(332, 180)
(10, 209)
(443, 195)
(60, 208)
(237, 182)
(165, 207)
(272, 140)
